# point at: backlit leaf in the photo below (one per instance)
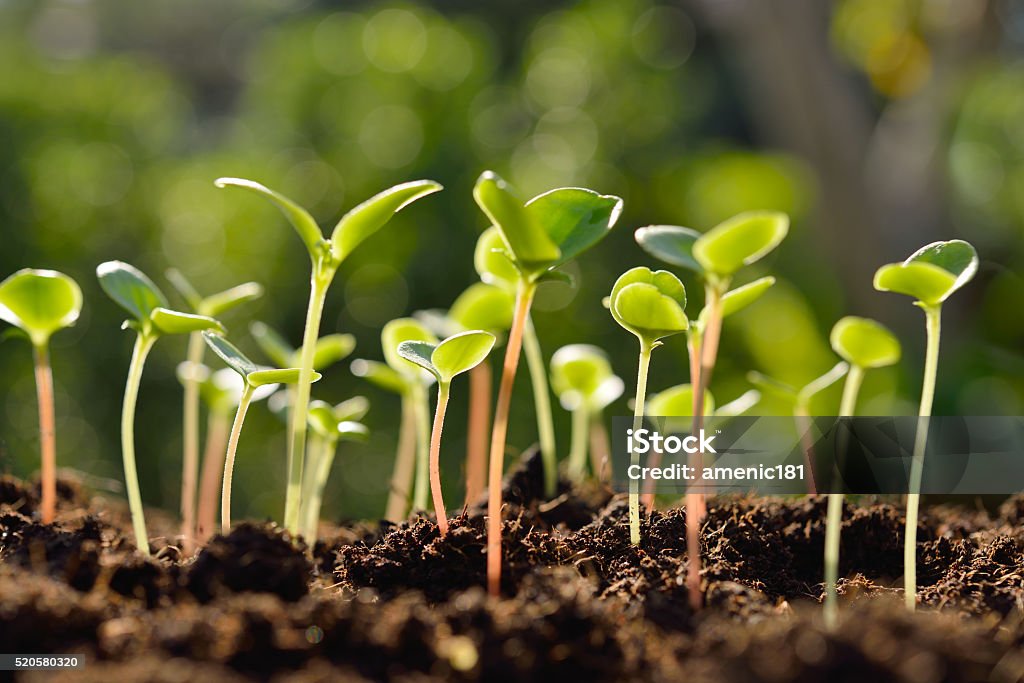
(740, 241)
(40, 302)
(671, 244)
(370, 216)
(300, 219)
(864, 342)
(130, 289)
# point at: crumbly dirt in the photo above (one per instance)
(373, 602)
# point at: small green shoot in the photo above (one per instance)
(930, 275)
(536, 238)
(254, 377)
(864, 344)
(651, 305)
(150, 318)
(585, 384)
(39, 303)
(326, 256)
(452, 356)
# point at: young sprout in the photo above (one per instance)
(213, 306)
(254, 377)
(716, 256)
(930, 275)
(864, 344)
(583, 379)
(326, 255)
(150, 318)
(452, 356)
(330, 425)
(39, 303)
(537, 237)
(651, 305)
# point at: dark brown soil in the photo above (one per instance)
(398, 602)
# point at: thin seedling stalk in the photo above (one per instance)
(634, 458)
(524, 297)
(143, 345)
(421, 411)
(480, 381)
(443, 389)
(47, 431)
(542, 406)
(218, 426)
(190, 436)
(599, 447)
(229, 458)
(405, 464)
(578, 446)
(834, 520)
(324, 451)
(933, 321)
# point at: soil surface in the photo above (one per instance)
(398, 602)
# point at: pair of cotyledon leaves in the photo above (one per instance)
(396, 374)
(583, 378)
(253, 374)
(341, 421)
(40, 302)
(450, 357)
(328, 350)
(932, 273)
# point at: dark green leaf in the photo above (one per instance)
(671, 244)
(130, 289)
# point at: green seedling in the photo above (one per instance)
(326, 256)
(651, 305)
(716, 256)
(864, 344)
(150, 318)
(452, 356)
(929, 275)
(536, 238)
(330, 425)
(212, 306)
(254, 377)
(39, 303)
(220, 391)
(583, 379)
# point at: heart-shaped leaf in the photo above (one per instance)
(272, 343)
(453, 356)
(932, 273)
(483, 307)
(218, 303)
(575, 219)
(130, 289)
(578, 372)
(671, 244)
(397, 331)
(379, 375)
(167, 321)
(650, 304)
(493, 260)
(737, 299)
(40, 302)
(300, 219)
(330, 349)
(677, 401)
(370, 216)
(740, 241)
(864, 343)
(530, 246)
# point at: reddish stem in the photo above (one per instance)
(480, 381)
(213, 464)
(435, 458)
(47, 433)
(497, 454)
(599, 448)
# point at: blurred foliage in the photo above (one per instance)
(115, 119)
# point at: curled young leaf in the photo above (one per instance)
(740, 241)
(40, 302)
(932, 273)
(370, 216)
(650, 304)
(864, 342)
(300, 219)
(671, 244)
(130, 289)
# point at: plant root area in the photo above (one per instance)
(398, 602)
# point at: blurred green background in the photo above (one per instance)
(878, 125)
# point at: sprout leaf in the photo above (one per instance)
(176, 322)
(532, 249)
(130, 289)
(574, 218)
(650, 304)
(483, 307)
(932, 273)
(864, 343)
(740, 241)
(40, 302)
(300, 219)
(671, 244)
(370, 216)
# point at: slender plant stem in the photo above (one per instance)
(143, 343)
(542, 405)
(319, 283)
(524, 297)
(479, 424)
(229, 458)
(47, 432)
(405, 463)
(190, 441)
(443, 389)
(634, 457)
(599, 446)
(310, 469)
(834, 521)
(218, 426)
(578, 447)
(421, 409)
(933, 323)
(325, 452)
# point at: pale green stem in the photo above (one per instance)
(314, 451)
(405, 464)
(834, 521)
(143, 343)
(933, 323)
(421, 409)
(542, 405)
(297, 443)
(190, 440)
(634, 458)
(325, 451)
(435, 456)
(229, 458)
(578, 447)
(47, 432)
